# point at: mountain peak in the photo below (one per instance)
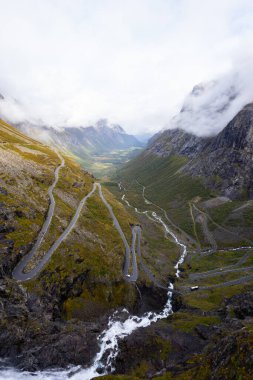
(117, 128)
(103, 124)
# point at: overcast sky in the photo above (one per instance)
(131, 61)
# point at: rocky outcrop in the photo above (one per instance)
(157, 348)
(32, 339)
(177, 141)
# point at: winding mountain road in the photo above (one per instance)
(128, 251)
(234, 268)
(137, 230)
(130, 263)
(18, 270)
(238, 281)
(225, 269)
(220, 226)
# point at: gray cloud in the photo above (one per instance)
(73, 62)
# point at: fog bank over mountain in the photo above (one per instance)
(211, 105)
(72, 63)
(204, 112)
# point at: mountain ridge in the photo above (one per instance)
(98, 138)
(98, 148)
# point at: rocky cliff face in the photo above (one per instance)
(225, 161)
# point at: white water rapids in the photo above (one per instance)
(120, 325)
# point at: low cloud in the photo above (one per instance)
(12, 111)
(74, 62)
(212, 105)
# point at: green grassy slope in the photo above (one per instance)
(86, 270)
(105, 164)
(165, 185)
(175, 192)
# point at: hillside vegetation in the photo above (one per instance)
(83, 279)
(186, 198)
(54, 319)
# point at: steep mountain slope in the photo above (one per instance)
(83, 279)
(224, 162)
(201, 187)
(177, 141)
(227, 161)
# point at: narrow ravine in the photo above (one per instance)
(120, 325)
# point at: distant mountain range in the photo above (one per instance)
(99, 138)
(99, 147)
